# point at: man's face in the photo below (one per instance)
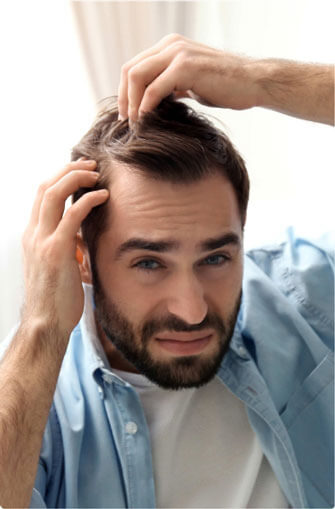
(168, 277)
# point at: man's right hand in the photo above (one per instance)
(53, 290)
(53, 305)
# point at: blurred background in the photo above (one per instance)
(59, 58)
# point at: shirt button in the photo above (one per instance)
(131, 427)
(108, 379)
(243, 352)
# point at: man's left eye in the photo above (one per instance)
(148, 265)
(218, 259)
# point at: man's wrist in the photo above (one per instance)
(42, 337)
(263, 78)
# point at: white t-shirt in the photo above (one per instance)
(205, 453)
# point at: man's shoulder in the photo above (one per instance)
(295, 251)
(295, 265)
(294, 277)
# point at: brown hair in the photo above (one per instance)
(172, 143)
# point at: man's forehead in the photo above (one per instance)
(132, 189)
(164, 217)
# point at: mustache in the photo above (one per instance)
(174, 324)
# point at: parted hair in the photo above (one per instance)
(172, 143)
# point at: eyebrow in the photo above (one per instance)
(164, 246)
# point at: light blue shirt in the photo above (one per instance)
(96, 447)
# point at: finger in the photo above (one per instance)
(168, 82)
(154, 50)
(183, 94)
(76, 214)
(53, 202)
(169, 69)
(140, 76)
(81, 164)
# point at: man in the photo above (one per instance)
(250, 423)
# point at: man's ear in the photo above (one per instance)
(83, 259)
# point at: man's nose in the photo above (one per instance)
(187, 300)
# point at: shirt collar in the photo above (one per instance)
(98, 360)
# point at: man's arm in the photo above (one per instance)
(299, 89)
(53, 305)
(222, 79)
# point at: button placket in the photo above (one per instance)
(132, 440)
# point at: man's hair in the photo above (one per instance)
(172, 143)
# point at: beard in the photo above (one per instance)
(176, 373)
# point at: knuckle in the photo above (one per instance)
(173, 37)
(151, 97)
(124, 69)
(134, 75)
(76, 212)
(182, 62)
(72, 211)
(181, 48)
(72, 166)
(152, 93)
(49, 193)
(31, 246)
(43, 187)
(76, 178)
(69, 166)
(84, 202)
(51, 249)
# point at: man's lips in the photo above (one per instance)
(184, 343)
(184, 336)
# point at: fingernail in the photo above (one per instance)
(89, 162)
(121, 117)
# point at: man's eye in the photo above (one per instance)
(218, 259)
(148, 265)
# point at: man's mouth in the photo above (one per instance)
(184, 343)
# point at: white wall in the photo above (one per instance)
(46, 104)
(290, 161)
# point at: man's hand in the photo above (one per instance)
(188, 69)
(53, 305)
(54, 295)
(218, 78)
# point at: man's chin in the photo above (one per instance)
(182, 372)
(167, 363)
(174, 372)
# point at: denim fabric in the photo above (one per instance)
(280, 364)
